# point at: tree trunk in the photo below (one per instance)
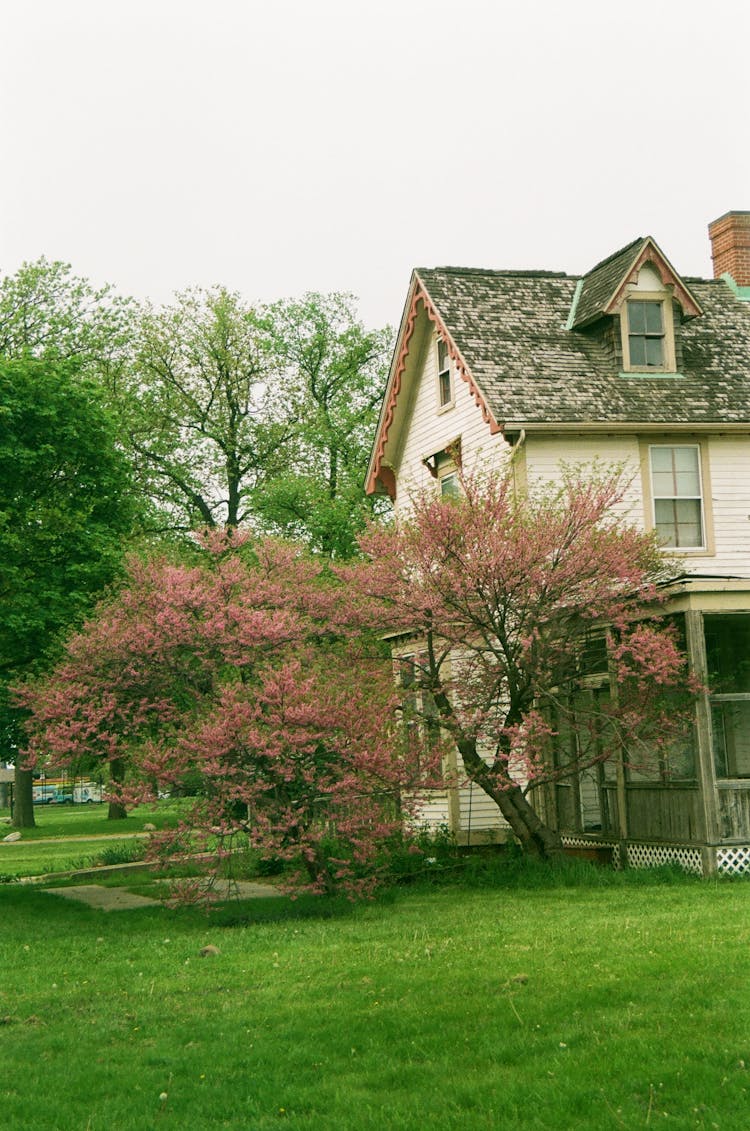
(23, 799)
(535, 838)
(117, 811)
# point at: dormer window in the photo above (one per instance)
(444, 375)
(647, 333)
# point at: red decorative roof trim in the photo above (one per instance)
(651, 254)
(420, 296)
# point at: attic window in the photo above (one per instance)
(444, 467)
(647, 334)
(444, 376)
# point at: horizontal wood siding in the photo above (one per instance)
(734, 812)
(431, 810)
(427, 430)
(478, 811)
(727, 493)
(730, 501)
(545, 455)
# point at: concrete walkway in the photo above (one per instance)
(120, 899)
(106, 899)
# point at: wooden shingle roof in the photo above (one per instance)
(510, 328)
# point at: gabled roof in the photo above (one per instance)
(509, 337)
(602, 288)
(510, 328)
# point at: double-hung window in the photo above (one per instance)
(677, 493)
(646, 334)
(648, 344)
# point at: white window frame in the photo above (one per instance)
(650, 498)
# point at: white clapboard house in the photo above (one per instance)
(632, 364)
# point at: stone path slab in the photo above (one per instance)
(119, 899)
(107, 899)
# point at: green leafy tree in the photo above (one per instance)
(240, 415)
(48, 312)
(334, 375)
(202, 411)
(65, 506)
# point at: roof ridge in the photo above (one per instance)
(615, 254)
(503, 272)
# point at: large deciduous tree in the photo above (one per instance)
(204, 415)
(46, 311)
(64, 508)
(256, 416)
(233, 414)
(333, 377)
(509, 600)
(251, 675)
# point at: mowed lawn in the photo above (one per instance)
(586, 1006)
(67, 837)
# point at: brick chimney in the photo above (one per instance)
(730, 246)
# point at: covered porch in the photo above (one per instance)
(694, 809)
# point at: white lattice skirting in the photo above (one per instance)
(647, 855)
(734, 861)
(731, 860)
(654, 855)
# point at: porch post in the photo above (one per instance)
(696, 644)
(622, 801)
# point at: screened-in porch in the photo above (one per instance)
(691, 805)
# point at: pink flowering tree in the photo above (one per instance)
(539, 651)
(254, 676)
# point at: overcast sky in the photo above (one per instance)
(298, 145)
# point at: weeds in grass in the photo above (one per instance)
(123, 852)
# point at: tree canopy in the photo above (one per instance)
(252, 416)
(516, 607)
(46, 311)
(66, 505)
(252, 676)
(232, 413)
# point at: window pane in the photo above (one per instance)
(728, 652)
(675, 472)
(661, 458)
(731, 733)
(449, 486)
(445, 388)
(637, 348)
(665, 522)
(663, 484)
(654, 351)
(637, 317)
(678, 522)
(688, 515)
(687, 484)
(685, 459)
(652, 317)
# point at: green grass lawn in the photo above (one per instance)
(91, 820)
(82, 828)
(591, 1005)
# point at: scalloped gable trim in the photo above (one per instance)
(420, 298)
(652, 254)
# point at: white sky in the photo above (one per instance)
(300, 145)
